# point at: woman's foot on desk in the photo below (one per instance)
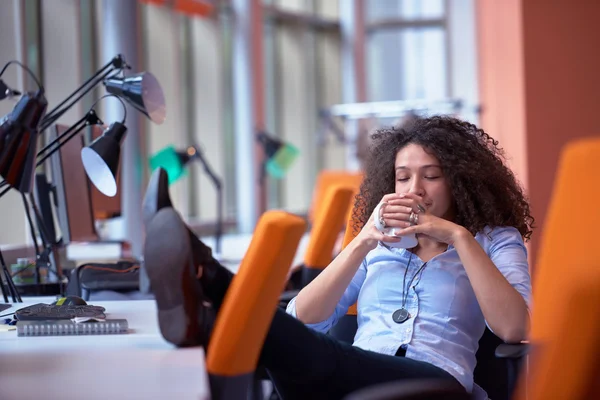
(213, 276)
(185, 314)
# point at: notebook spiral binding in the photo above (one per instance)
(69, 328)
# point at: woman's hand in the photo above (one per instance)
(397, 214)
(370, 235)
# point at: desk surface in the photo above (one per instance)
(235, 246)
(138, 365)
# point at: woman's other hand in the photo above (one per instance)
(397, 214)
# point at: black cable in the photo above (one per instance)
(116, 97)
(31, 226)
(26, 68)
(9, 282)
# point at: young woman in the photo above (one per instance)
(421, 311)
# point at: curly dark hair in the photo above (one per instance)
(485, 191)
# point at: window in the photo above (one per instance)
(407, 47)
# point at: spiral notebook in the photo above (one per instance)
(65, 327)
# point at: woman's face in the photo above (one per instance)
(420, 173)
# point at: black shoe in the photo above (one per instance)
(157, 195)
(214, 277)
(185, 315)
(156, 198)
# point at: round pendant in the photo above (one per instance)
(400, 315)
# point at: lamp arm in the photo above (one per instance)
(72, 134)
(57, 143)
(4, 290)
(117, 63)
(219, 186)
(32, 232)
(55, 115)
(208, 169)
(2, 193)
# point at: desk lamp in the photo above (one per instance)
(279, 155)
(19, 131)
(18, 145)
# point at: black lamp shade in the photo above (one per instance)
(101, 159)
(143, 92)
(270, 144)
(279, 155)
(18, 141)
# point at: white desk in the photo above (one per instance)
(235, 246)
(138, 365)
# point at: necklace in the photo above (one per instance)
(401, 315)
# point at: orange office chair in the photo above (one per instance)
(565, 323)
(566, 259)
(567, 366)
(330, 220)
(323, 235)
(250, 303)
(325, 180)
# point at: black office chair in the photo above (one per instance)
(497, 370)
(122, 276)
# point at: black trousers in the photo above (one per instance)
(308, 364)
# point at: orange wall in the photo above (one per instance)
(540, 84)
(501, 78)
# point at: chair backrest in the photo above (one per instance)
(326, 228)
(567, 252)
(326, 179)
(249, 305)
(567, 366)
(564, 323)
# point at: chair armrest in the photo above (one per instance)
(286, 297)
(512, 350)
(421, 389)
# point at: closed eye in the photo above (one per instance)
(432, 177)
(403, 179)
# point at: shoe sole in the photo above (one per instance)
(169, 263)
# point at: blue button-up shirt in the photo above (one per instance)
(445, 322)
